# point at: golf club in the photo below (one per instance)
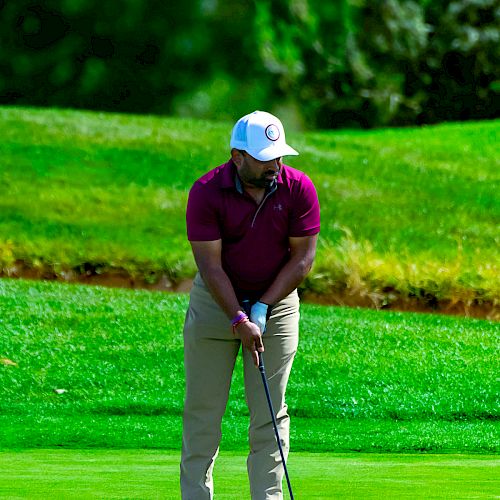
(247, 307)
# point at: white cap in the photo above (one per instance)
(262, 136)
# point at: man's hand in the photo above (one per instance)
(251, 339)
(258, 315)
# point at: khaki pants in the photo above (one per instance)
(210, 352)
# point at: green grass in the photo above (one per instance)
(41, 474)
(407, 213)
(363, 380)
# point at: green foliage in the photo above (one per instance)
(82, 54)
(117, 357)
(348, 63)
(366, 63)
(431, 60)
(309, 47)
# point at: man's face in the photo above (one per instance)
(256, 173)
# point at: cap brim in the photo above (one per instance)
(272, 152)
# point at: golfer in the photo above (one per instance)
(253, 224)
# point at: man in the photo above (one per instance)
(253, 224)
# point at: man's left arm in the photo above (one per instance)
(302, 253)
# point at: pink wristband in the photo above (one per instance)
(238, 319)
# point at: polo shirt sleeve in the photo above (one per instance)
(305, 215)
(201, 215)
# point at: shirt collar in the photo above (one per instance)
(228, 175)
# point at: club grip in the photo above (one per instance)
(247, 307)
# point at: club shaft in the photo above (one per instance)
(275, 424)
(247, 308)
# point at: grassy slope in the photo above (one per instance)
(150, 474)
(363, 380)
(406, 212)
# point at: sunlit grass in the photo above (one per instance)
(146, 474)
(104, 367)
(406, 213)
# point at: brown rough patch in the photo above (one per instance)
(120, 278)
(410, 304)
(90, 275)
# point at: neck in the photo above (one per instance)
(252, 188)
(255, 192)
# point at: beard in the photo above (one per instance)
(263, 181)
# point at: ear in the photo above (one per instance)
(237, 157)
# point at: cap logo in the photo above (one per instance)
(272, 132)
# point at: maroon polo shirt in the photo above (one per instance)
(254, 237)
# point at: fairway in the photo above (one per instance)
(364, 381)
(144, 474)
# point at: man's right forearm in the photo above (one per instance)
(221, 288)
(223, 293)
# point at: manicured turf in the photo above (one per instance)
(409, 213)
(58, 428)
(362, 380)
(42, 474)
